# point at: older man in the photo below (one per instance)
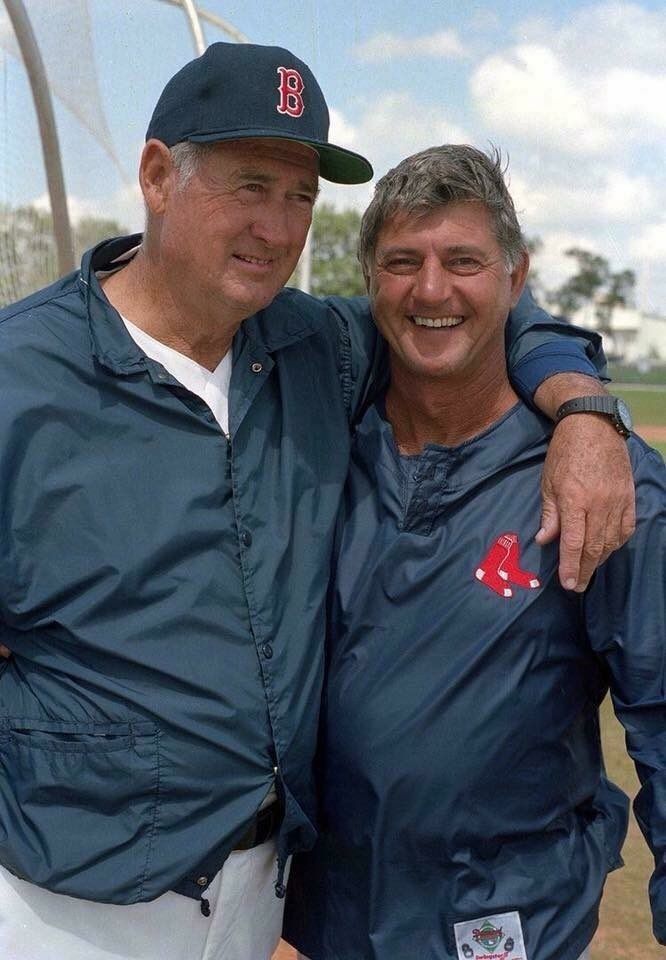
(466, 813)
(174, 442)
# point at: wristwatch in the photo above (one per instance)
(612, 407)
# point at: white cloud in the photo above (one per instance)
(634, 97)
(391, 128)
(589, 194)
(553, 265)
(623, 197)
(397, 125)
(389, 46)
(650, 244)
(528, 93)
(599, 35)
(341, 132)
(594, 85)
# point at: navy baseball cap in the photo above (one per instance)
(240, 90)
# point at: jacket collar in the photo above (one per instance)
(518, 436)
(291, 317)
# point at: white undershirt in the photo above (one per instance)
(211, 385)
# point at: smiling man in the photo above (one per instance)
(465, 808)
(174, 441)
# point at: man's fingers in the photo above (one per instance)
(594, 548)
(550, 523)
(587, 475)
(628, 521)
(588, 539)
(5, 651)
(572, 541)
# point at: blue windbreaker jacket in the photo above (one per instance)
(465, 808)
(162, 586)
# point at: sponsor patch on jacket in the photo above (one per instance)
(496, 937)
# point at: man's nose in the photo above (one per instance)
(271, 224)
(432, 285)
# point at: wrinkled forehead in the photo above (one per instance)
(291, 152)
(453, 221)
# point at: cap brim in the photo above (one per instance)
(335, 163)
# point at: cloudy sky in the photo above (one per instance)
(573, 92)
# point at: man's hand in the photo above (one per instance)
(5, 651)
(587, 487)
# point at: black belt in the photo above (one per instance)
(265, 824)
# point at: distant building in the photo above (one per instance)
(634, 337)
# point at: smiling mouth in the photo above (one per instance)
(253, 261)
(437, 321)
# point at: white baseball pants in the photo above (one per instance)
(244, 924)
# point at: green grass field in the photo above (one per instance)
(648, 406)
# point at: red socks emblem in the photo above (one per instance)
(501, 566)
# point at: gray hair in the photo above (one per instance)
(187, 156)
(437, 176)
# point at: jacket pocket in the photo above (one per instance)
(79, 805)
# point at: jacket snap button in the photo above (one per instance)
(202, 881)
(257, 367)
(267, 651)
(246, 538)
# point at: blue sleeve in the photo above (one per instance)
(625, 613)
(539, 346)
(363, 354)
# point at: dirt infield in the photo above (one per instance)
(653, 433)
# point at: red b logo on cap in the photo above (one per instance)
(291, 87)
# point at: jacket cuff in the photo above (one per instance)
(545, 361)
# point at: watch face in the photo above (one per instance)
(624, 415)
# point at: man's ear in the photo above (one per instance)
(519, 277)
(156, 175)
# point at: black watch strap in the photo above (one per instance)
(612, 407)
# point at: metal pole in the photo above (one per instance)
(305, 265)
(195, 26)
(223, 25)
(41, 95)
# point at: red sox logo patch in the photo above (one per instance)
(291, 87)
(501, 566)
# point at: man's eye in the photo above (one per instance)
(253, 187)
(400, 265)
(465, 265)
(306, 198)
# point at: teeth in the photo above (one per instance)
(252, 259)
(437, 321)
